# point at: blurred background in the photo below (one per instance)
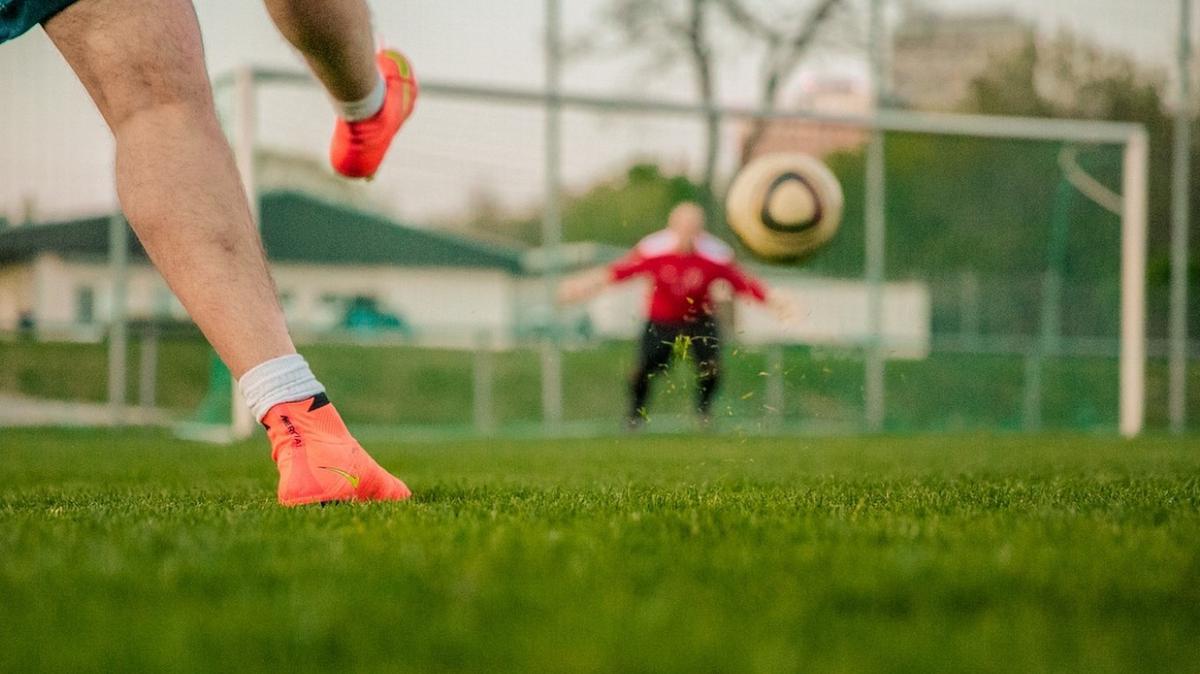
(552, 136)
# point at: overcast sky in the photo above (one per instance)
(57, 151)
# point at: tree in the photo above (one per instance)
(1069, 77)
(673, 31)
(617, 210)
(987, 205)
(685, 32)
(786, 43)
(623, 210)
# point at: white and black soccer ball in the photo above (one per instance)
(784, 206)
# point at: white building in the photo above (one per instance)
(936, 55)
(344, 273)
(832, 95)
(336, 269)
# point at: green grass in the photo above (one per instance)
(131, 551)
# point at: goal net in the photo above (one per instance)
(989, 277)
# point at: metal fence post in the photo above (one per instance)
(118, 329)
(244, 140)
(1031, 406)
(969, 309)
(552, 388)
(483, 373)
(775, 385)
(1180, 204)
(873, 386)
(148, 367)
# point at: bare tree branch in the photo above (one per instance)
(746, 20)
(682, 30)
(785, 51)
(701, 51)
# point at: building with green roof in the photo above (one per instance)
(336, 267)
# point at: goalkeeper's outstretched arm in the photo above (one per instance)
(584, 286)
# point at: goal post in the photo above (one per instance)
(1133, 284)
(1131, 138)
(244, 126)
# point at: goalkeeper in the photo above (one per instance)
(682, 261)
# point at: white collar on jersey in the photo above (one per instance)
(666, 242)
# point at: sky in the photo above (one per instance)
(57, 152)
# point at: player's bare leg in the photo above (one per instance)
(143, 65)
(374, 92)
(335, 38)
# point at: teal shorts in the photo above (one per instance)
(18, 16)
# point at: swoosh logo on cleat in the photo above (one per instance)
(350, 477)
(320, 400)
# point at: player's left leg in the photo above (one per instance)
(374, 93)
(706, 348)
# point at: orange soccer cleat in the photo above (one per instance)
(358, 147)
(319, 461)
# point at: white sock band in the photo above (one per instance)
(364, 108)
(284, 379)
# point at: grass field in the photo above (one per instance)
(132, 551)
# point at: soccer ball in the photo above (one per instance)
(784, 206)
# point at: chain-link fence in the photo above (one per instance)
(421, 298)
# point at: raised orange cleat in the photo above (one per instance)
(319, 461)
(358, 147)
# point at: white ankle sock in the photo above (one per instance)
(280, 380)
(364, 108)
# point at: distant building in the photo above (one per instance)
(829, 95)
(936, 55)
(336, 269)
(277, 170)
(343, 272)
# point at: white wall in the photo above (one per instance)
(833, 312)
(452, 307)
(16, 294)
(52, 287)
(446, 306)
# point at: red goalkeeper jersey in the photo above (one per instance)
(681, 281)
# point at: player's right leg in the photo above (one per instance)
(654, 358)
(374, 93)
(143, 64)
(706, 350)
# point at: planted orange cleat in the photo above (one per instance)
(358, 147)
(319, 461)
